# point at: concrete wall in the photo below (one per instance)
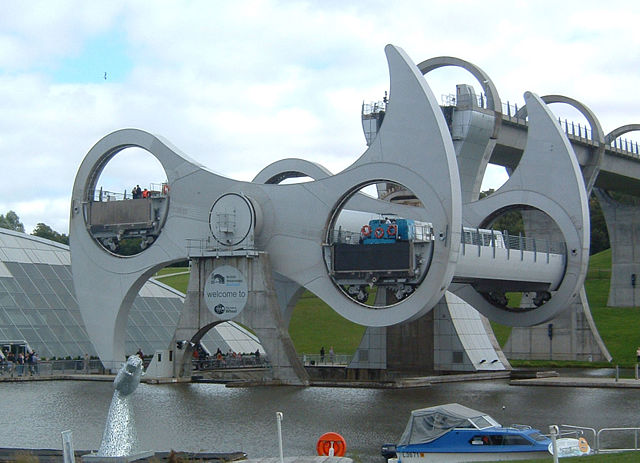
(261, 314)
(623, 225)
(573, 337)
(410, 345)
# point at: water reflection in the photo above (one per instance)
(210, 417)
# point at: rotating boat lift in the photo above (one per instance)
(254, 246)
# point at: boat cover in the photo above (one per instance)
(427, 424)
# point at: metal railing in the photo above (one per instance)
(504, 240)
(198, 247)
(621, 434)
(567, 430)
(373, 108)
(100, 194)
(603, 440)
(478, 237)
(575, 130)
(326, 360)
(51, 368)
(243, 361)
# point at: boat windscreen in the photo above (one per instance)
(538, 437)
(482, 422)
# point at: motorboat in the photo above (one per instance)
(455, 433)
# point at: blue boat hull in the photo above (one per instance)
(443, 457)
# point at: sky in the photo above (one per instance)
(239, 85)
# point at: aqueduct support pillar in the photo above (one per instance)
(214, 295)
(623, 225)
(452, 337)
(572, 334)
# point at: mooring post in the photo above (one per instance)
(279, 420)
(554, 431)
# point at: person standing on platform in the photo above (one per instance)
(20, 362)
(11, 360)
(33, 363)
(322, 354)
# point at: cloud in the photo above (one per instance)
(239, 85)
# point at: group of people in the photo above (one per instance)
(138, 193)
(332, 355)
(221, 359)
(15, 364)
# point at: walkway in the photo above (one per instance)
(548, 379)
(578, 382)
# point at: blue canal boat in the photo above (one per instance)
(455, 433)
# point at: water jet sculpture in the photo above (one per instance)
(119, 437)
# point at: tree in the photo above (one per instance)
(45, 231)
(11, 221)
(512, 221)
(599, 232)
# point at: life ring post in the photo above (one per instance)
(279, 416)
(331, 444)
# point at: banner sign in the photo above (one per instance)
(225, 292)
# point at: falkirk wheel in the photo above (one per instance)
(254, 246)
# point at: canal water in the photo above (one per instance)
(212, 418)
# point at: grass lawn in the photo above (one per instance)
(619, 327)
(171, 270)
(178, 282)
(315, 324)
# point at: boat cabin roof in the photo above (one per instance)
(427, 424)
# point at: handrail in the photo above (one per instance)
(102, 195)
(479, 238)
(327, 359)
(617, 430)
(53, 367)
(566, 429)
(229, 362)
(627, 147)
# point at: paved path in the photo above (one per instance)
(401, 383)
(55, 456)
(566, 381)
(305, 459)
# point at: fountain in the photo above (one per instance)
(119, 437)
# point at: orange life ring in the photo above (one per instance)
(392, 229)
(329, 440)
(365, 230)
(379, 233)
